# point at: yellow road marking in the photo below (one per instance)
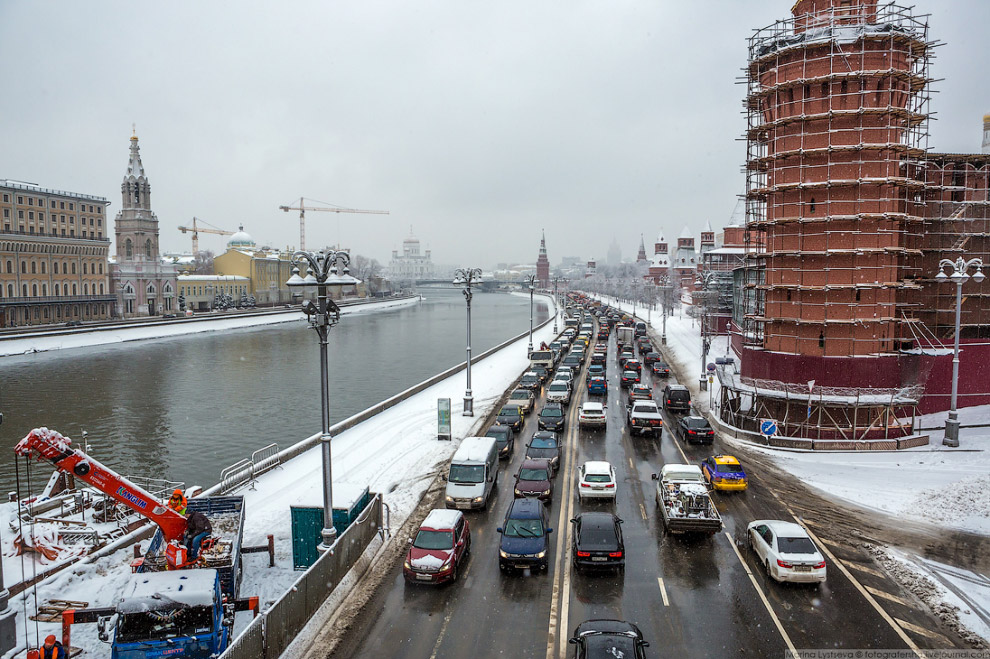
(763, 597)
(867, 569)
(889, 596)
(642, 511)
(663, 592)
(923, 632)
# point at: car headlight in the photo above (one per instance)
(407, 565)
(516, 491)
(546, 493)
(449, 499)
(503, 553)
(541, 554)
(479, 499)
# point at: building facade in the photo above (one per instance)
(411, 264)
(53, 256)
(145, 286)
(198, 292)
(266, 270)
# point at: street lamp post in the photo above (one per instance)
(531, 282)
(665, 289)
(556, 302)
(704, 281)
(959, 277)
(467, 277)
(322, 273)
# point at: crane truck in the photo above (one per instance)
(174, 605)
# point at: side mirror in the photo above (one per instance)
(549, 530)
(655, 477)
(410, 540)
(498, 530)
(644, 644)
(443, 477)
(574, 520)
(572, 641)
(460, 543)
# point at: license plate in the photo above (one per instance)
(802, 568)
(598, 558)
(464, 505)
(424, 577)
(598, 487)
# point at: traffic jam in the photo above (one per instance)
(600, 515)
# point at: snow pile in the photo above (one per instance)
(965, 503)
(925, 581)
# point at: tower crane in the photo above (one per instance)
(196, 229)
(330, 208)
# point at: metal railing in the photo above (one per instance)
(235, 475)
(271, 633)
(265, 459)
(244, 471)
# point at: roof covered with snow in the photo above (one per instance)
(155, 589)
(474, 449)
(441, 519)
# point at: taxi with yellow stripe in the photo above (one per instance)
(723, 472)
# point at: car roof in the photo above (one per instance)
(592, 407)
(441, 519)
(780, 527)
(598, 520)
(525, 509)
(597, 377)
(500, 429)
(724, 459)
(677, 387)
(535, 463)
(553, 406)
(597, 467)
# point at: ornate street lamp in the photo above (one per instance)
(556, 302)
(666, 289)
(467, 277)
(959, 277)
(322, 273)
(530, 281)
(705, 295)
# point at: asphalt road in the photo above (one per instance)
(691, 597)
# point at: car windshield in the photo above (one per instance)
(164, 623)
(497, 432)
(529, 378)
(509, 411)
(543, 442)
(598, 478)
(519, 395)
(533, 474)
(696, 423)
(729, 467)
(795, 546)
(630, 374)
(552, 411)
(523, 528)
(434, 540)
(558, 387)
(466, 473)
(598, 537)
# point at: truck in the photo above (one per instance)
(173, 606)
(624, 337)
(684, 502)
(644, 417)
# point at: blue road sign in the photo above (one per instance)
(768, 427)
(711, 368)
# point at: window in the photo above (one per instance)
(85, 289)
(147, 248)
(24, 289)
(812, 205)
(129, 248)
(101, 288)
(44, 290)
(10, 267)
(20, 199)
(61, 205)
(858, 292)
(73, 267)
(56, 290)
(20, 215)
(75, 290)
(34, 290)
(72, 206)
(101, 268)
(6, 197)
(30, 201)
(821, 339)
(34, 268)
(31, 215)
(85, 268)
(42, 267)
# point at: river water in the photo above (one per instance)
(184, 408)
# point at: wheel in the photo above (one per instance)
(769, 573)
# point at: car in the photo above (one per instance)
(505, 439)
(660, 369)
(598, 358)
(640, 329)
(530, 380)
(676, 398)
(596, 480)
(598, 386)
(723, 472)
(512, 416)
(552, 417)
(545, 444)
(695, 429)
(73, 323)
(644, 345)
(628, 379)
(640, 392)
(786, 552)
(569, 334)
(541, 371)
(168, 315)
(652, 358)
(559, 391)
(602, 332)
(601, 347)
(441, 544)
(534, 479)
(524, 398)
(572, 360)
(632, 365)
(597, 542)
(625, 353)
(592, 415)
(601, 639)
(595, 370)
(564, 373)
(524, 542)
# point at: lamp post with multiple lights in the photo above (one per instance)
(467, 277)
(556, 302)
(530, 281)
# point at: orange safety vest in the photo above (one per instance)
(178, 506)
(50, 653)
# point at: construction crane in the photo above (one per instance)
(196, 229)
(330, 208)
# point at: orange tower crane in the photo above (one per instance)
(330, 208)
(196, 229)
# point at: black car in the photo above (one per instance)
(676, 398)
(552, 417)
(660, 369)
(601, 639)
(652, 358)
(540, 370)
(512, 416)
(628, 379)
(546, 445)
(73, 323)
(530, 380)
(505, 439)
(573, 360)
(598, 541)
(696, 430)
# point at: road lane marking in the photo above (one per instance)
(867, 569)
(869, 598)
(642, 511)
(443, 630)
(677, 445)
(889, 596)
(832, 543)
(924, 632)
(632, 467)
(663, 592)
(766, 602)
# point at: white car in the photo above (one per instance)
(592, 415)
(786, 552)
(596, 480)
(564, 373)
(559, 391)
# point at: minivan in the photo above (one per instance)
(473, 474)
(676, 398)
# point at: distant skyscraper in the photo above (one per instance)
(614, 257)
(543, 264)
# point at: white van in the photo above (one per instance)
(473, 474)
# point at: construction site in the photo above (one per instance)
(842, 330)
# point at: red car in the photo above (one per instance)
(440, 545)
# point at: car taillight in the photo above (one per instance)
(692, 432)
(584, 554)
(819, 566)
(615, 554)
(609, 486)
(669, 401)
(784, 563)
(585, 485)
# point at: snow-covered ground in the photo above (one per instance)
(395, 452)
(44, 342)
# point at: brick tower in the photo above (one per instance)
(543, 264)
(837, 106)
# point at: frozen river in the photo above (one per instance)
(183, 408)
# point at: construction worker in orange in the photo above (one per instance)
(178, 502)
(52, 649)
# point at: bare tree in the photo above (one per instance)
(203, 262)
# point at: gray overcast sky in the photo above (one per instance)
(478, 123)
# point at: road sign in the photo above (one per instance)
(711, 367)
(768, 427)
(443, 419)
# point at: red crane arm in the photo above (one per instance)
(42, 443)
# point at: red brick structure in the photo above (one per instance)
(543, 265)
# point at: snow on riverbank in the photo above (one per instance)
(395, 453)
(217, 322)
